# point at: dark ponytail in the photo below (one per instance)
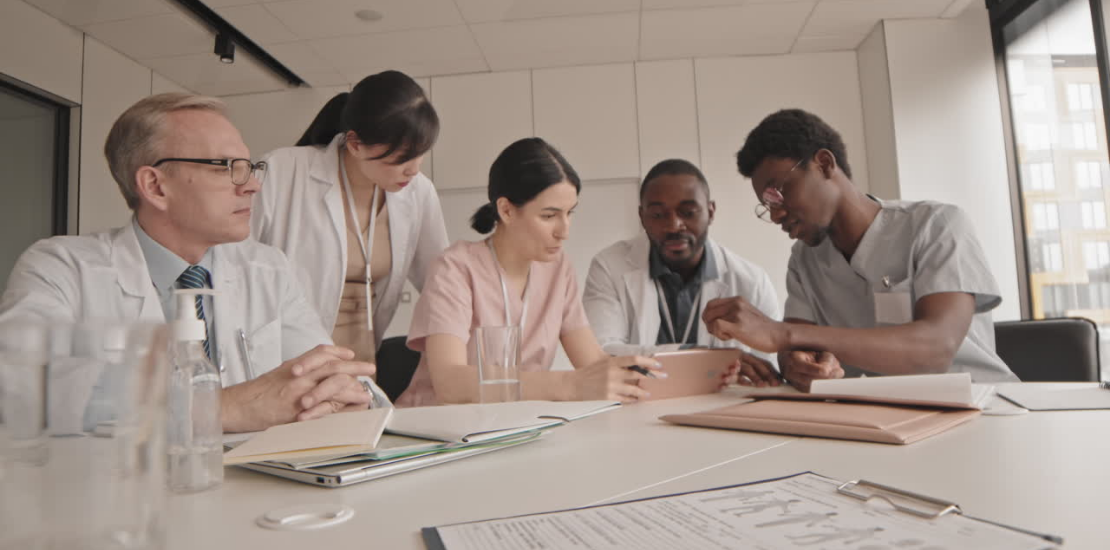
(327, 122)
(521, 172)
(387, 108)
(484, 218)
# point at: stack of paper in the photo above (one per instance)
(951, 390)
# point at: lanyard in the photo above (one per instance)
(667, 313)
(367, 246)
(505, 290)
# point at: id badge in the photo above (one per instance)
(893, 302)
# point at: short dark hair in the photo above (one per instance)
(521, 172)
(791, 134)
(387, 108)
(674, 167)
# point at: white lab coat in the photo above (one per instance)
(622, 302)
(105, 276)
(300, 211)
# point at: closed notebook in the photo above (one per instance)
(879, 423)
(340, 433)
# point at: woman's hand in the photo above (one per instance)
(612, 379)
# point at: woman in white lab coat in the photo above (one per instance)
(352, 211)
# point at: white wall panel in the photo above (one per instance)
(112, 84)
(666, 105)
(878, 115)
(40, 50)
(479, 116)
(273, 120)
(589, 113)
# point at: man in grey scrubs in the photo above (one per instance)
(876, 287)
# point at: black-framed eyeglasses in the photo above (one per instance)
(239, 170)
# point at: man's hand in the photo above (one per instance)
(322, 381)
(737, 319)
(750, 370)
(801, 368)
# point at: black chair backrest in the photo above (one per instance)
(396, 363)
(1050, 350)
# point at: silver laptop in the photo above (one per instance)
(341, 473)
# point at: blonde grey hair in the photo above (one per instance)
(137, 136)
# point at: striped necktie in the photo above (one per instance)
(197, 277)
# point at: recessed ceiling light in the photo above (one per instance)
(369, 15)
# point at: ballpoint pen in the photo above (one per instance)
(641, 370)
(244, 352)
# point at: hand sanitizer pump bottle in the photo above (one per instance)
(195, 434)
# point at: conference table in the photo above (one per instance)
(1044, 471)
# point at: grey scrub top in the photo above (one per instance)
(912, 249)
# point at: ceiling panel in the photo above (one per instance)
(562, 41)
(754, 29)
(331, 18)
(156, 36)
(83, 12)
(257, 23)
(200, 73)
(826, 43)
(480, 11)
(425, 52)
(302, 59)
(857, 17)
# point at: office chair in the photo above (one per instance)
(1050, 350)
(396, 364)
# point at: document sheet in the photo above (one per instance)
(800, 512)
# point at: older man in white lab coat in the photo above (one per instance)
(645, 294)
(185, 172)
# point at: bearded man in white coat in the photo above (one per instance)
(646, 294)
(185, 173)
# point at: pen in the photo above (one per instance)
(244, 351)
(641, 370)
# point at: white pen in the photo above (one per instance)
(244, 352)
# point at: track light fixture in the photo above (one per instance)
(225, 48)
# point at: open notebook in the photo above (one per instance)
(474, 423)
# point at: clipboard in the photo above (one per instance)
(796, 511)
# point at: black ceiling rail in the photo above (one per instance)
(220, 25)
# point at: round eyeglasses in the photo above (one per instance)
(240, 170)
(772, 196)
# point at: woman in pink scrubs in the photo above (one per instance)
(521, 276)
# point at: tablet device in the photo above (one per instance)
(690, 372)
(341, 473)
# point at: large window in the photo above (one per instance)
(1052, 53)
(33, 150)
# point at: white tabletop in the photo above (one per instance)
(1046, 471)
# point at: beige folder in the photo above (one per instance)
(894, 424)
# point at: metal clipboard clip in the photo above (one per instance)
(903, 501)
(920, 505)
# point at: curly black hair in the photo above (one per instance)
(791, 134)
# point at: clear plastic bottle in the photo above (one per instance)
(195, 433)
